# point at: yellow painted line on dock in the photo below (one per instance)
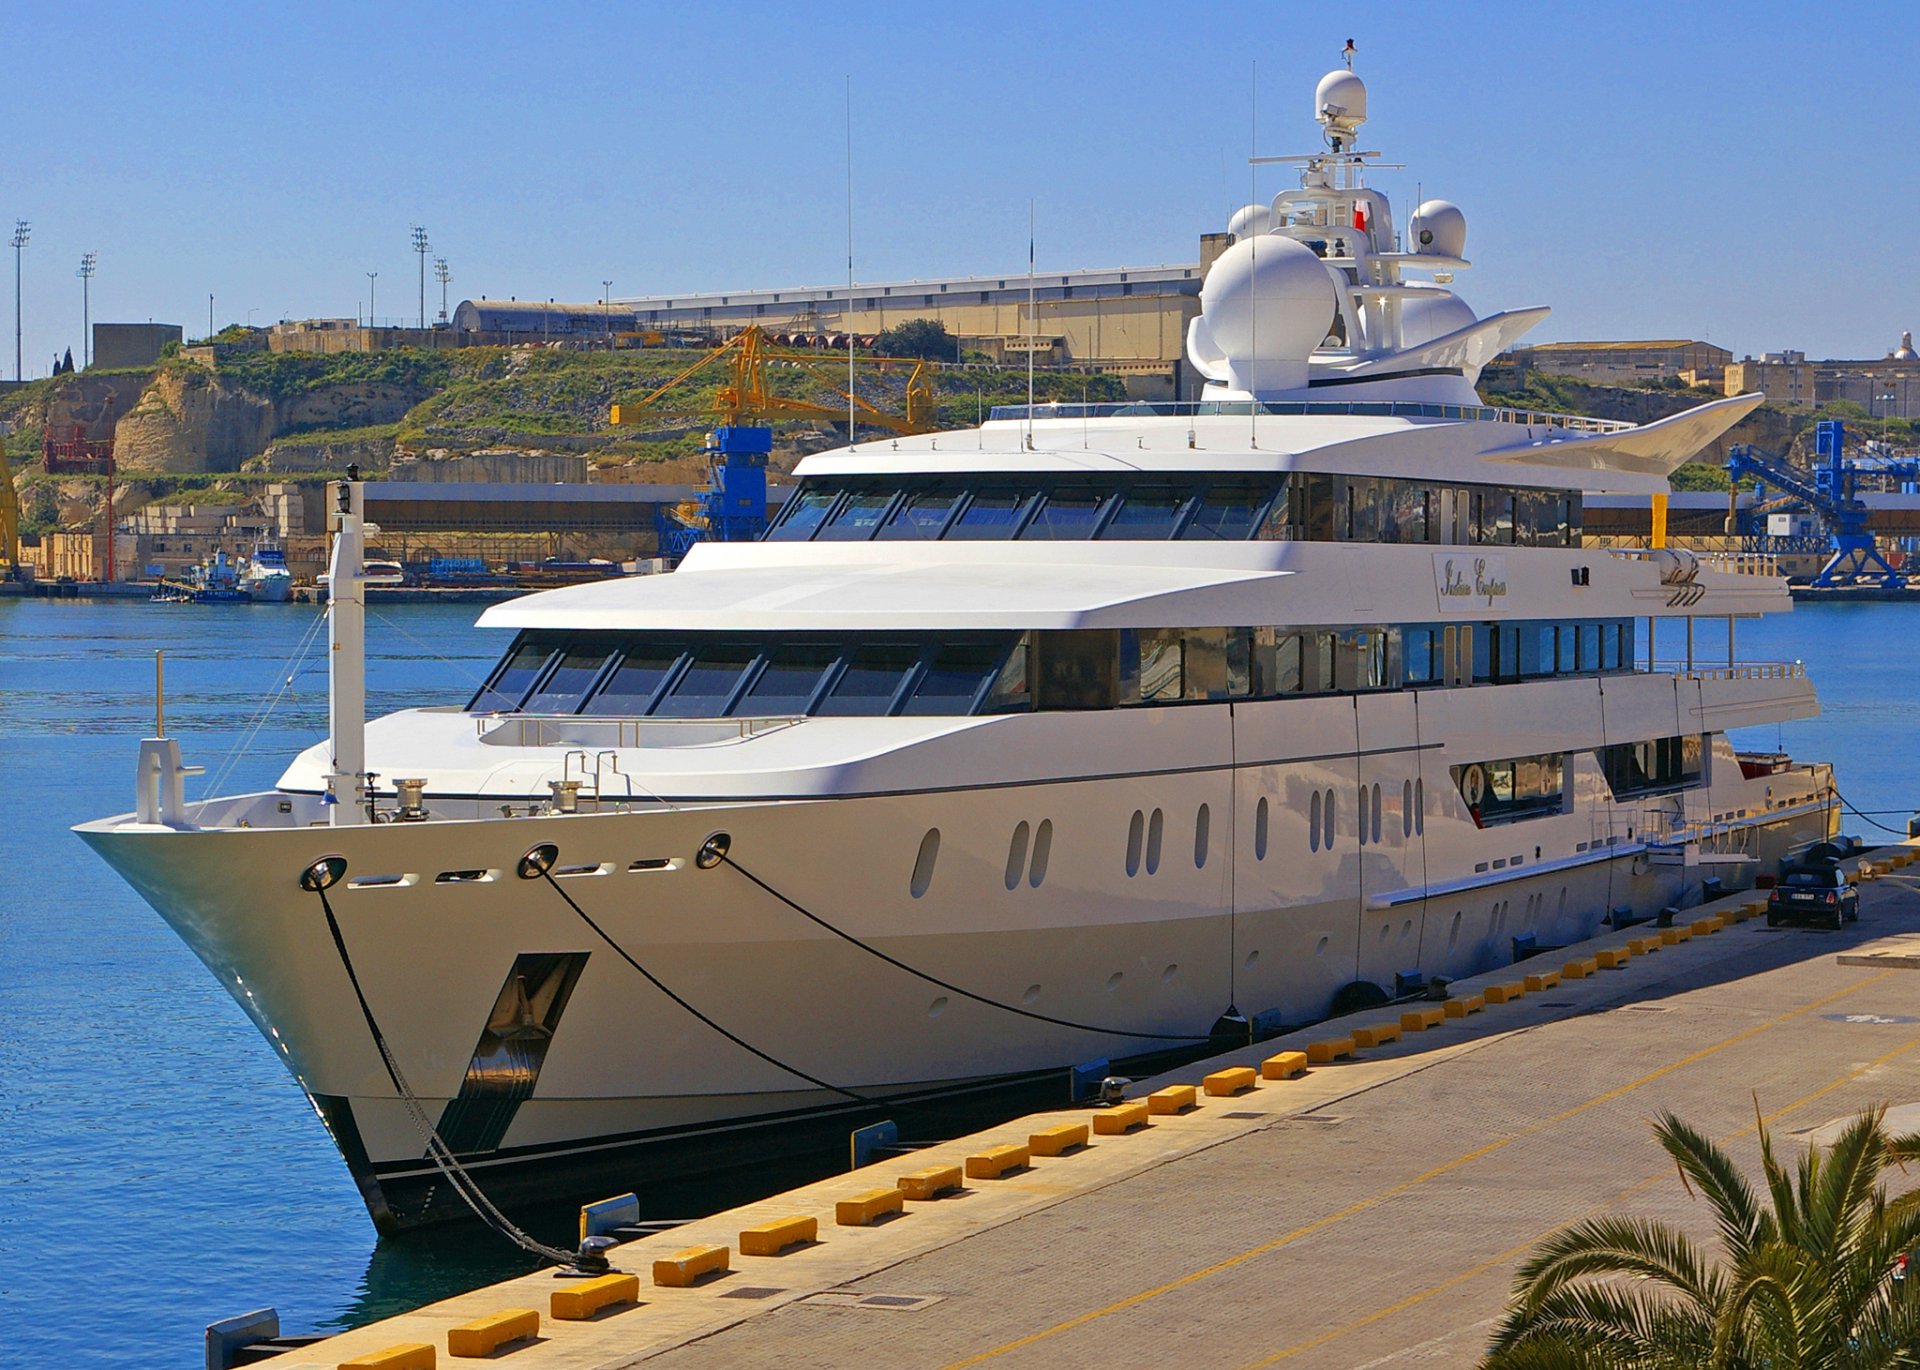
(1394, 1191)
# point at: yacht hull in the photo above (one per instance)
(599, 1030)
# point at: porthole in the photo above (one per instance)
(1042, 852)
(1113, 981)
(1166, 976)
(1419, 806)
(1260, 830)
(1017, 855)
(1386, 930)
(1136, 838)
(1253, 959)
(923, 863)
(1202, 835)
(1320, 947)
(1406, 808)
(1032, 994)
(1156, 829)
(1326, 823)
(1313, 823)
(1362, 809)
(1406, 930)
(937, 1007)
(1376, 813)
(1453, 933)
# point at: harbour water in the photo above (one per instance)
(151, 1148)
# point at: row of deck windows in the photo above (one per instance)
(1301, 507)
(690, 675)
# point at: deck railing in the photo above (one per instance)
(1399, 409)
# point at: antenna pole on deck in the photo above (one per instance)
(159, 694)
(346, 659)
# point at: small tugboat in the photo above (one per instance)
(214, 581)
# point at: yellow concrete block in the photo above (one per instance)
(1283, 1065)
(1754, 907)
(579, 1301)
(770, 1239)
(412, 1355)
(1705, 927)
(996, 1161)
(1173, 1099)
(931, 1182)
(484, 1336)
(1580, 969)
(1230, 1081)
(1123, 1118)
(684, 1267)
(863, 1210)
(1328, 1049)
(1460, 1008)
(1420, 1019)
(1056, 1141)
(1674, 936)
(1507, 993)
(1541, 979)
(1376, 1034)
(1612, 958)
(1644, 946)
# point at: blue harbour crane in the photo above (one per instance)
(1831, 489)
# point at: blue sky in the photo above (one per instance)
(1742, 173)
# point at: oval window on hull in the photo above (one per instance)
(1017, 855)
(923, 863)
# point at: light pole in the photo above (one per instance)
(209, 316)
(606, 319)
(421, 249)
(19, 241)
(370, 276)
(89, 262)
(442, 275)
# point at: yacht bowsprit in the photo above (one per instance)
(1051, 741)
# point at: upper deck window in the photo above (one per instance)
(859, 514)
(871, 679)
(708, 683)
(922, 515)
(1228, 513)
(993, 512)
(1065, 514)
(567, 683)
(1148, 513)
(629, 692)
(803, 515)
(509, 684)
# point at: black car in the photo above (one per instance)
(1819, 894)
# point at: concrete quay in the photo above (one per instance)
(1367, 1210)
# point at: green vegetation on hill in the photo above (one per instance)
(281, 376)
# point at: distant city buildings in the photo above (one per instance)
(1886, 387)
(1618, 363)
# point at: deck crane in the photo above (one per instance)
(1830, 489)
(733, 507)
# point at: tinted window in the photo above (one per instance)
(954, 677)
(802, 515)
(920, 515)
(1066, 514)
(1227, 513)
(787, 682)
(707, 684)
(1147, 512)
(566, 685)
(1811, 880)
(516, 674)
(857, 517)
(871, 679)
(991, 514)
(634, 682)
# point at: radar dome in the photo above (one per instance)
(1340, 101)
(1426, 317)
(1249, 220)
(1438, 229)
(1266, 303)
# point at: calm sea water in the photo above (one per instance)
(145, 1128)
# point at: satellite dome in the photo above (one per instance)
(1266, 303)
(1905, 352)
(1340, 101)
(1426, 317)
(1249, 220)
(1438, 229)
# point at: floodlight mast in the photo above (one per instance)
(21, 228)
(421, 249)
(89, 263)
(442, 275)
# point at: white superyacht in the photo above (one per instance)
(1061, 740)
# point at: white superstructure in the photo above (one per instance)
(1063, 739)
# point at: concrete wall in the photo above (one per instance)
(528, 468)
(119, 345)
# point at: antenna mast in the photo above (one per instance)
(849, 259)
(1030, 325)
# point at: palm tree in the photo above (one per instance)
(1809, 1277)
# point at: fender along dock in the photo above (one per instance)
(1354, 1194)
